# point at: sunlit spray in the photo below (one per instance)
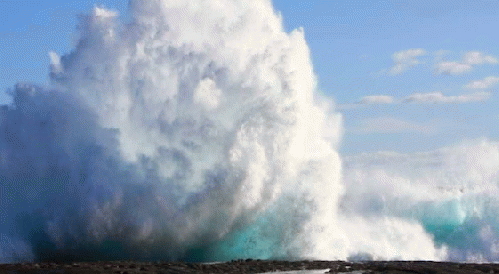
(196, 132)
(191, 132)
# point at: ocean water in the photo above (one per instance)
(196, 132)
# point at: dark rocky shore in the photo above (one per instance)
(249, 266)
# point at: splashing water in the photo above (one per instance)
(196, 132)
(450, 192)
(189, 133)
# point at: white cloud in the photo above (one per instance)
(438, 97)
(452, 68)
(466, 65)
(104, 13)
(429, 97)
(390, 125)
(406, 58)
(376, 99)
(487, 82)
(368, 100)
(478, 58)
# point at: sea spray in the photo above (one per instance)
(189, 133)
(196, 132)
(451, 192)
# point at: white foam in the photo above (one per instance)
(317, 271)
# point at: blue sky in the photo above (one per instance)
(406, 75)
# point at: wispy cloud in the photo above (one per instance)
(367, 101)
(390, 125)
(478, 58)
(453, 68)
(406, 58)
(439, 97)
(376, 99)
(436, 97)
(469, 59)
(487, 82)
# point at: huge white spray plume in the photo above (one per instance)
(190, 132)
(196, 132)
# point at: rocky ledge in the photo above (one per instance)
(250, 266)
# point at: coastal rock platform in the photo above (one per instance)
(250, 266)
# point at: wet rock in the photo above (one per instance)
(250, 266)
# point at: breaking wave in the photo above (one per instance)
(196, 132)
(187, 133)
